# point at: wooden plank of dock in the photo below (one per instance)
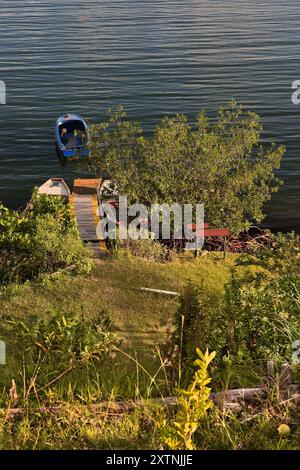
(84, 201)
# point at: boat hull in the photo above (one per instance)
(71, 122)
(55, 187)
(73, 153)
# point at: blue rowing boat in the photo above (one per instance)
(71, 133)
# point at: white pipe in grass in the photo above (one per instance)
(159, 291)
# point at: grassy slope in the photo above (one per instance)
(139, 317)
(114, 286)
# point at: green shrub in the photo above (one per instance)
(42, 240)
(257, 318)
(262, 316)
(45, 350)
(58, 207)
(15, 230)
(149, 249)
(56, 247)
(262, 308)
(196, 323)
(193, 405)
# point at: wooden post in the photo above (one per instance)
(224, 247)
(285, 375)
(270, 369)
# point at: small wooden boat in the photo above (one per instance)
(55, 187)
(71, 133)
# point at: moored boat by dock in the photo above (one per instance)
(71, 133)
(55, 187)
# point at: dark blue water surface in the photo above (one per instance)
(155, 58)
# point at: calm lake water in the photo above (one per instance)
(155, 58)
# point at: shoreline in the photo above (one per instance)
(274, 228)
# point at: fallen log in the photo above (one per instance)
(290, 395)
(104, 408)
(239, 397)
(230, 400)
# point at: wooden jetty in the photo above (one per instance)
(85, 205)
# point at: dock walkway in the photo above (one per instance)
(84, 201)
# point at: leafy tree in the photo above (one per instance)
(219, 163)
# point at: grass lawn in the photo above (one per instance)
(139, 317)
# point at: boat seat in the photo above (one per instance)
(75, 141)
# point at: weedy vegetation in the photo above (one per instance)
(40, 241)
